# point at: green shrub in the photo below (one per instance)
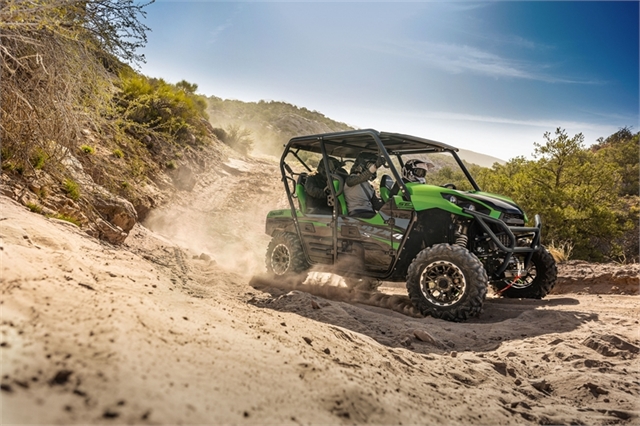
(159, 106)
(39, 158)
(72, 189)
(118, 153)
(67, 218)
(35, 208)
(171, 165)
(236, 137)
(87, 149)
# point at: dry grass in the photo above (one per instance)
(561, 251)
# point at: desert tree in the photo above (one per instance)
(56, 58)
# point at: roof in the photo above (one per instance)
(351, 143)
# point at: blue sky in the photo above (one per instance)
(491, 77)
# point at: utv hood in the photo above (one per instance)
(496, 202)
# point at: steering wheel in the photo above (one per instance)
(449, 185)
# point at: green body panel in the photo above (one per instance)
(489, 194)
(503, 198)
(424, 197)
(283, 213)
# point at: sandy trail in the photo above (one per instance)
(147, 334)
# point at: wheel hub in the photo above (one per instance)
(443, 283)
(280, 259)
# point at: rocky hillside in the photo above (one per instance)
(270, 124)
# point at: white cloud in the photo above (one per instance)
(215, 34)
(461, 58)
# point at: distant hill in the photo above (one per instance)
(273, 123)
(479, 159)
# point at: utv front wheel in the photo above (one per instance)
(448, 282)
(285, 255)
(536, 283)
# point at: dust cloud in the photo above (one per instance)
(224, 216)
(333, 287)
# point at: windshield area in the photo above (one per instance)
(441, 168)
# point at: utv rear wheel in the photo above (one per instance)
(448, 282)
(536, 284)
(285, 255)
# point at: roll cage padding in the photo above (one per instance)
(301, 194)
(338, 186)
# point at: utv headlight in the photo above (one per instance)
(464, 203)
(450, 198)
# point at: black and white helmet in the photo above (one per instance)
(416, 170)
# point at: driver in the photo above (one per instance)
(316, 186)
(359, 194)
(414, 170)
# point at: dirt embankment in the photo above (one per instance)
(178, 326)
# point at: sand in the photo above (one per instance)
(179, 326)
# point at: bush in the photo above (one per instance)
(578, 192)
(39, 159)
(118, 153)
(87, 149)
(155, 105)
(236, 137)
(67, 218)
(561, 252)
(35, 208)
(72, 189)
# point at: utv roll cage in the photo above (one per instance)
(351, 143)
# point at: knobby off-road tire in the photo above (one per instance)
(448, 282)
(285, 255)
(537, 284)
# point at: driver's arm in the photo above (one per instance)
(356, 179)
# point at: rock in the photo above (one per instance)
(610, 346)
(205, 257)
(595, 389)
(116, 210)
(183, 178)
(423, 336)
(542, 385)
(110, 233)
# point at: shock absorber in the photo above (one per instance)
(461, 236)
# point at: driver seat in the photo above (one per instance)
(301, 193)
(386, 185)
(338, 186)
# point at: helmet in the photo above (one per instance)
(415, 170)
(362, 162)
(334, 164)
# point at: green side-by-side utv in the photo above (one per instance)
(448, 244)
